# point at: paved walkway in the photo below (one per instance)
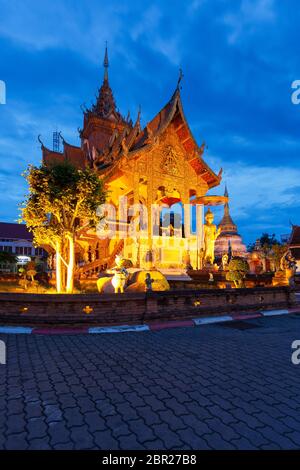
(209, 387)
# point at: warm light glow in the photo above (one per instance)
(87, 309)
(23, 309)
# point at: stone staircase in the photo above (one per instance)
(92, 267)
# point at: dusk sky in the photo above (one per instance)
(239, 58)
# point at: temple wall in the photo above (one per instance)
(137, 308)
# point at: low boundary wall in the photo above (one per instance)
(137, 308)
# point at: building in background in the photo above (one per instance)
(229, 239)
(16, 240)
(294, 244)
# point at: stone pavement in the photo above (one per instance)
(210, 387)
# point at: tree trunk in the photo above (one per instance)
(58, 268)
(70, 269)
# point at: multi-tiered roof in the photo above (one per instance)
(107, 137)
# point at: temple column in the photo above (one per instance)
(136, 247)
(200, 232)
(187, 230)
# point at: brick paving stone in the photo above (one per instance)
(81, 437)
(14, 406)
(85, 404)
(141, 430)
(16, 442)
(254, 436)
(291, 422)
(173, 421)
(105, 440)
(68, 446)
(216, 441)
(192, 440)
(95, 421)
(157, 444)
(73, 417)
(58, 433)
(177, 408)
(33, 410)
(37, 427)
(128, 442)
(218, 412)
(277, 424)
(189, 388)
(251, 420)
(294, 436)
(276, 438)
(216, 425)
(169, 438)
(243, 444)
(40, 444)
(53, 413)
(15, 424)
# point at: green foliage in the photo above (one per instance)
(277, 253)
(266, 241)
(237, 270)
(59, 196)
(8, 258)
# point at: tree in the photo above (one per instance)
(266, 242)
(60, 197)
(277, 253)
(6, 257)
(237, 270)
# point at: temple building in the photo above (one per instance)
(294, 244)
(153, 167)
(229, 240)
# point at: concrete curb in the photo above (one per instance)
(154, 326)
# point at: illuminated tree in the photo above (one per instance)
(237, 270)
(60, 197)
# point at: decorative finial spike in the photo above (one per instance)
(105, 63)
(226, 191)
(180, 77)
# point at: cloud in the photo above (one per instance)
(61, 24)
(236, 95)
(251, 15)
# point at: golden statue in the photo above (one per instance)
(211, 233)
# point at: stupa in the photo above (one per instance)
(229, 237)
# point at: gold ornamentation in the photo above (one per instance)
(169, 163)
(87, 309)
(23, 309)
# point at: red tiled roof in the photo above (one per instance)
(72, 154)
(17, 231)
(75, 156)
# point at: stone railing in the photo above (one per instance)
(137, 308)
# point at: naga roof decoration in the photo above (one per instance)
(132, 141)
(107, 138)
(70, 153)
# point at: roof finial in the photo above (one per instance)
(105, 63)
(179, 78)
(226, 191)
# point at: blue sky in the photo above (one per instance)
(239, 59)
